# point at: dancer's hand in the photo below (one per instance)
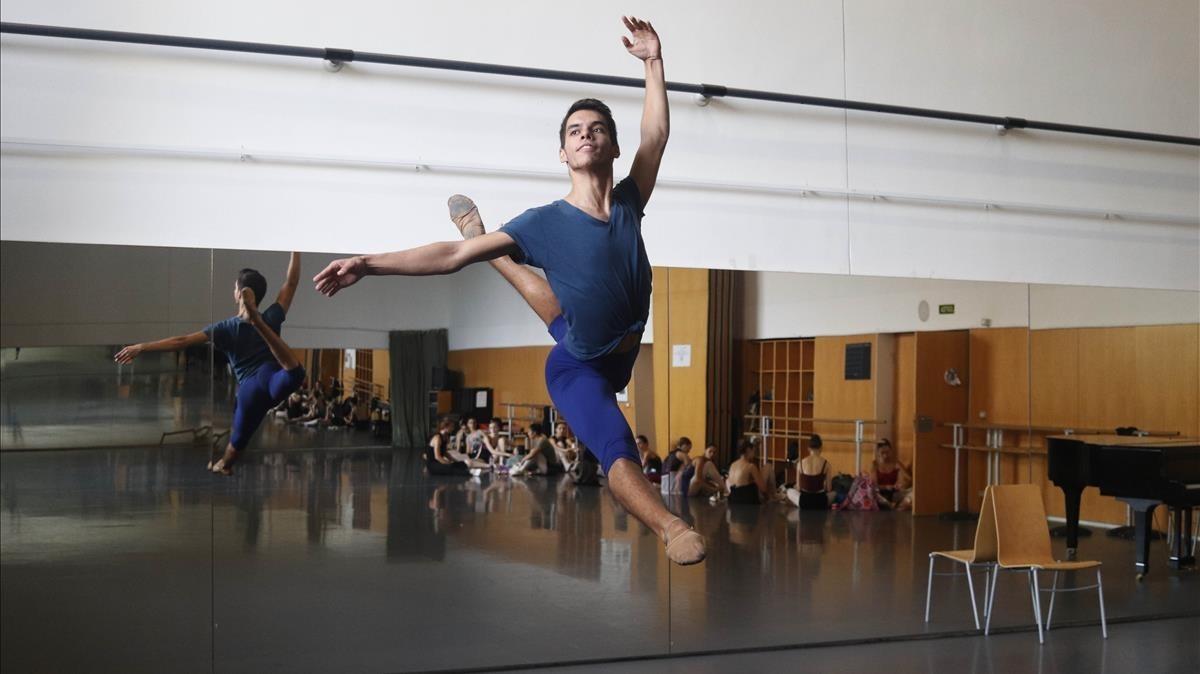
(340, 274)
(645, 43)
(125, 356)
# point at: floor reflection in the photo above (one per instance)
(304, 548)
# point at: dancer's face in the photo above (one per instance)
(710, 452)
(587, 143)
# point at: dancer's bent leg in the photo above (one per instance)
(586, 398)
(262, 391)
(535, 289)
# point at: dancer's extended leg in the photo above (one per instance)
(535, 289)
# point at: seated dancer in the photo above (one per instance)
(267, 371)
(892, 477)
(814, 479)
(541, 459)
(708, 480)
(747, 482)
(437, 455)
(595, 298)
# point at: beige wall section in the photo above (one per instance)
(836, 398)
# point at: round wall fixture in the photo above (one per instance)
(923, 311)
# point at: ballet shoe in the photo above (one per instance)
(465, 216)
(686, 547)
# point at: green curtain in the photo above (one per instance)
(414, 354)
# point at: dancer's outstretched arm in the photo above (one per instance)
(428, 260)
(177, 343)
(656, 115)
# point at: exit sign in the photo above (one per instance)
(945, 308)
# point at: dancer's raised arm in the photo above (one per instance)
(656, 116)
(288, 290)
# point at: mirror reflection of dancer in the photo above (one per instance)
(267, 371)
(597, 298)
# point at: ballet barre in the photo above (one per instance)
(335, 58)
(765, 432)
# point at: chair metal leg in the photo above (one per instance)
(1053, 593)
(991, 602)
(1037, 605)
(1100, 592)
(971, 589)
(987, 583)
(929, 588)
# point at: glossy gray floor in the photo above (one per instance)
(354, 560)
(1161, 646)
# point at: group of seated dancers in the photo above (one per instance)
(462, 447)
(325, 407)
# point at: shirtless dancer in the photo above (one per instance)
(597, 300)
(267, 371)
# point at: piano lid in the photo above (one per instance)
(1114, 440)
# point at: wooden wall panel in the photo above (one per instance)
(383, 373)
(681, 316)
(836, 398)
(659, 305)
(933, 465)
(1054, 385)
(999, 381)
(1107, 374)
(1146, 376)
(1166, 391)
(904, 383)
(515, 375)
(998, 390)
(688, 324)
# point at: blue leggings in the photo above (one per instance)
(585, 391)
(257, 394)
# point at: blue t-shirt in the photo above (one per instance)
(242, 344)
(598, 270)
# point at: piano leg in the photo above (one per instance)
(1143, 520)
(1181, 548)
(1071, 496)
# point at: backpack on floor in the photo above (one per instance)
(863, 494)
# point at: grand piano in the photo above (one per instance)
(1144, 472)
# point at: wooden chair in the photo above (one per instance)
(983, 554)
(1023, 544)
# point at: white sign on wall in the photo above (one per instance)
(681, 355)
(348, 359)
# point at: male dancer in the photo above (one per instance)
(597, 300)
(267, 371)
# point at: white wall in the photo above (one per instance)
(1102, 62)
(794, 305)
(1076, 306)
